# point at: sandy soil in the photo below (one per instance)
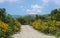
(28, 32)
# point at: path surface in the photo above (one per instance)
(28, 32)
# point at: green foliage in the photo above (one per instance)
(57, 33)
(22, 20)
(8, 25)
(46, 27)
(26, 19)
(55, 14)
(2, 14)
(49, 23)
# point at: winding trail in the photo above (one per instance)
(28, 32)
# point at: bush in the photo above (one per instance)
(57, 33)
(3, 29)
(8, 25)
(6, 30)
(49, 27)
(39, 25)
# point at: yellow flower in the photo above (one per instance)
(43, 27)
(17, 29)
(37, 24)
(4, 26)
(58, 23)
(17, 23)
(52, 28)
(4, 30)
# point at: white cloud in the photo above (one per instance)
(36, 6)
(45, 1)
(2, 1)
(23, 8)
(35, 9)
(57, 2)
(32, 13)
(12, 0)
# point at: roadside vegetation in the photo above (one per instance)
(48, 23)
(8, 25)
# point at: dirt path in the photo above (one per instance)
(28, 32)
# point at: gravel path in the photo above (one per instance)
(28, 32)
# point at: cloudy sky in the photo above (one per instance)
(24, 7)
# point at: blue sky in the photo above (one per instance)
(24, 7)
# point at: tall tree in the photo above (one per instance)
(2, 13)
(55, 14)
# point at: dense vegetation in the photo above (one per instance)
(49, 23)
(8, 25)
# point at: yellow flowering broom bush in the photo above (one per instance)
(17, 25)
(39, 25)
(6, 29)
(8, 24)
(50, 26)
